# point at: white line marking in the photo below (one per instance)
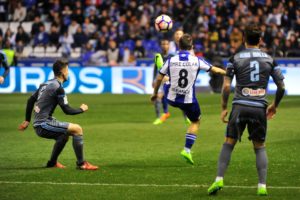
(140, 185)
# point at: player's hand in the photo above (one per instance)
(1, 79)
(224, 114)
(153, 98)
(84, 107)
(271, 111)
(23, 125)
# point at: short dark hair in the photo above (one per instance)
(252, 34)
(58, 66)
(186, 42)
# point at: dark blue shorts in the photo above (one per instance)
(52, 129)
(191, 110)
(254, 118)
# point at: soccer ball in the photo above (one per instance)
(163, 23)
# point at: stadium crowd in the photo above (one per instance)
(115, 31)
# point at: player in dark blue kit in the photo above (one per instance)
(3, 63)
(44, 102)
(252, 69)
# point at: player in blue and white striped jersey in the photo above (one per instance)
(183, 70)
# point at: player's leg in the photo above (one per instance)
(157, 106)
(261, 166)
(193, 112)
(76, 131)
(257, 131)
(57, 131)
(235, 128)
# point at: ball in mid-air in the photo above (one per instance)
(163, 23)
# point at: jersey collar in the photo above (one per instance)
(184, 52)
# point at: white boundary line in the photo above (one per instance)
(140, 185)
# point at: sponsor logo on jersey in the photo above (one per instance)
(180, 91)
(37, 109)
(253, 93)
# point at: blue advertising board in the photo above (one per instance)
(116, 80)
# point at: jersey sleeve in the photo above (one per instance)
(276, 73)
(165, 68)
(30, 104)
(230, 68)
(64, 104)
(204, 65)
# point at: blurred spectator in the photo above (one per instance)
(113, 53)
(78, 16)
(73, 27)
(66, 41)
(41, 38)
(22, 37)
(80, 38)
(35, 28)
(88, 27)
(10, 54)
(19, 13)
(101, 44)
(139, 50)
(10, 36)
(54, 36)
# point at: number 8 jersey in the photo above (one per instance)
(183, 70)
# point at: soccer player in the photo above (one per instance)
(252, 68)
(3, 63)
(174, 45)
(44, 100)
(183, 70)
(160, 58)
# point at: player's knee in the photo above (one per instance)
(258, 144)
(231, 141)
(79, 130)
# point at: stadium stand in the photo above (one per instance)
(216, 25)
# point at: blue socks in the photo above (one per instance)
(165, 104)
(189, 141)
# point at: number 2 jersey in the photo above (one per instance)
(252, 69)
(183, 70)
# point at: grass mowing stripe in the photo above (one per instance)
(141, 185)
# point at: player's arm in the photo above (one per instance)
(157, 84)
(6, 68)
(278, 79)
(63, 103)
(217, 70)
(226, 89)
(30, 104)
(159, 79)
(208, 67)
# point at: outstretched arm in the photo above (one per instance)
(6, 67)
(217, 70)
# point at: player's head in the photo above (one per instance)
(60, 69)
(252, 34)
(164, 44)
(186, 42)
(177, 35)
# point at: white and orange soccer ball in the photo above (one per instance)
(163, 23)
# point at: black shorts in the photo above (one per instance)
(51, 129)
(191, 110)
(253, 117)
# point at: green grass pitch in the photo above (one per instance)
(142, 161)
